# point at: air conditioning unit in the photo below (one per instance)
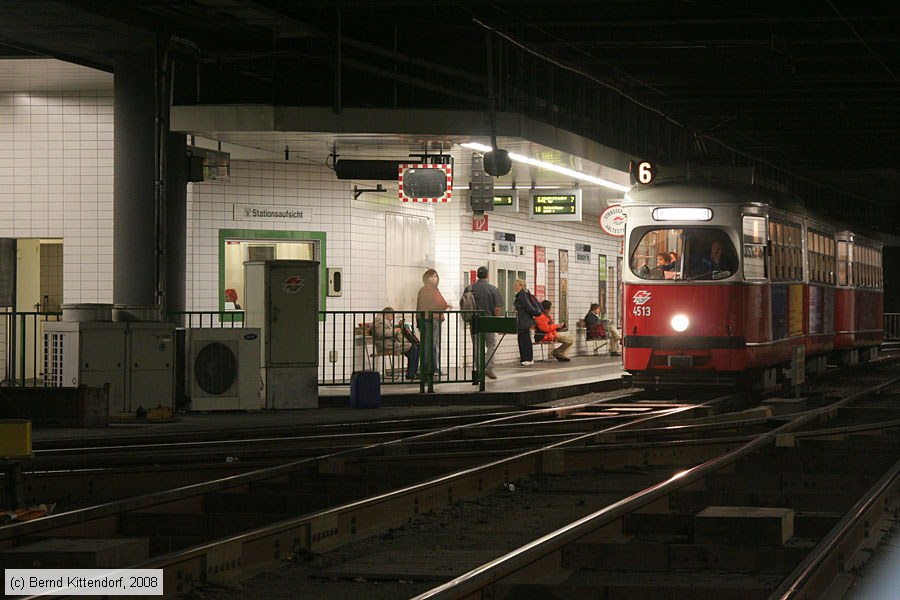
(223, 370)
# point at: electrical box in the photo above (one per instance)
(335, 282)
(88, 353)
(282, 299)
(223, 368)
(136, 359)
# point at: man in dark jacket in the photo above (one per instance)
(489, 302)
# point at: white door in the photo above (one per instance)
(28, 299)
(407, 243)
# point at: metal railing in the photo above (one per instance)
(206, 318)
(23, 346)
(346, 344)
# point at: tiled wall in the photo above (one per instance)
(475, 251)
(354, 228)
(56, 181)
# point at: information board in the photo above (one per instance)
(556, 205)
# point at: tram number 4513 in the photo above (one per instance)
(641, 311)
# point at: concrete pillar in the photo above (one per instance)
(176, 222)
(134, 200)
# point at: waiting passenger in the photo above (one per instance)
(391, 339)
(548, 331)
(597, 328)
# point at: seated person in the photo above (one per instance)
(597, 328)
(673, 262)
(390, 339)
(715, 265)
(670, 270)
(658, 272)
(231, 300)
(547, 330)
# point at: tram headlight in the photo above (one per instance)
(680, 323)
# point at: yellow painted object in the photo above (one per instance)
(160, 413)
(15, 438)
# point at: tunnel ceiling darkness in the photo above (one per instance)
(807, 92)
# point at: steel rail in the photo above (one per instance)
(828, 558)
(111, 509)
(264, 547)
(324, 530)
(472, 584)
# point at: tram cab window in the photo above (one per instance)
(702, 253)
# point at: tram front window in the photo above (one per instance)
(684, 254)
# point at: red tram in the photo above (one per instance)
(758, 289)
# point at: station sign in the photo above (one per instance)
(612, 221)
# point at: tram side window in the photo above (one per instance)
(830, 264)
(879, 271)
(787, 251)
(842, 263)
(818, 247)
(795, 243)
(775, 230)
(864, 268)
(754, 240)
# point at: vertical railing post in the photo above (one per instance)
(481, 358)
(428, 350)
(11, 359)
(21, 344)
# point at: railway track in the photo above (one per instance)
(410, 476)
(76, 476)
(194, 534)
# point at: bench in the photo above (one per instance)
(373, 353)
(545, 355)
(542, 344)
(594, 344)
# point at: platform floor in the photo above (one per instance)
(545, 381)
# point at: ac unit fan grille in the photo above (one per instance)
(215, 368)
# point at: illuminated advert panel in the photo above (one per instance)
(556, 205)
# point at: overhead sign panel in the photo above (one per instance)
(556, 205)
(506, 200)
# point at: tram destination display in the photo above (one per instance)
(556, 205)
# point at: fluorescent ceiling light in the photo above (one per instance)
(509, 187)
(550, 167)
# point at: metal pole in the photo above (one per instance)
(481, 361)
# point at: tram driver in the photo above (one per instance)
(716, 265)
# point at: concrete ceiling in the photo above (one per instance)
(315, 147)
(809, 90)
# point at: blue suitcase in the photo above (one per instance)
(365, 389)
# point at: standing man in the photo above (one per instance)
(489, 302)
